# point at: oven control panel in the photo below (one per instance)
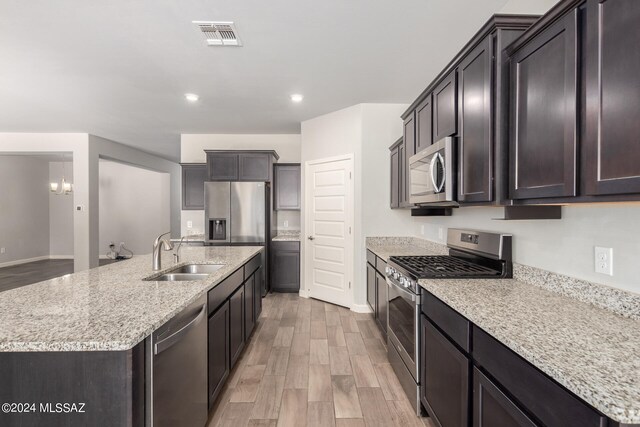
(402, 279)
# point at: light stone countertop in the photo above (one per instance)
(590, 350)
(287, 236)
(110, 308)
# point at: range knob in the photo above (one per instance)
(402, 281)
(396, 275)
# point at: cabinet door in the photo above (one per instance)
(612, 140)
(543, 114)
(423, 125)
(371, 289)
(254, 167)
(249, 305)
(491, 407)
(382, 301)
(446, 378)
(259, 286)
(403, 198)
(409, 143)
(193, 178)
(475, 139)
(285, 276)
(445, 120)
(222, 166)
(219, 363)
(236, 320)
(287, 187)
(395, 176)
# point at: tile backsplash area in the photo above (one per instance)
(288, 220)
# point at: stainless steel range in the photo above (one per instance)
(473, 255)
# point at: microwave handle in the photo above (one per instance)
(432, 167)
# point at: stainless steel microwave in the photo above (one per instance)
(432, 175)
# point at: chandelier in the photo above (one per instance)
(63, 187)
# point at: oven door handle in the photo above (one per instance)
(413, 297)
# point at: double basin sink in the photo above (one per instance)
(187, 272)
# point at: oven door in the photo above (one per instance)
(404, 317)
(431, 175)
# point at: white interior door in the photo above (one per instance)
(328, 225)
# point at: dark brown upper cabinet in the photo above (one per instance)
(255, 166)
(612, 70)
(287, 186)
(222, 166)
(424, 137)
(408, 149)
(240, 165)
(475, 138)
(194, 176)
(445, 112)
(403, 179)
(543, 118)
(395, 174)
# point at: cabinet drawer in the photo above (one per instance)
(252, 265)
(286, 246)
(448, 320)
(541, 396)
(223, 289)
(371, 258)
(381, 265)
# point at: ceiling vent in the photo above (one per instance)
(219, 33)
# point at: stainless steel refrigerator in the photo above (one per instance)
(240, 214)
(237, 213)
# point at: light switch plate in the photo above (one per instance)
(604, 260)
(2, 250)
(189, 224)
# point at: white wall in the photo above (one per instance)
(60, 213)
(24, 208)
(367, 131)
(134, 206)
(534, 7)
(192, 148)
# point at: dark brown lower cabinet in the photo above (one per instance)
(382, 302)
(491, 407)
(444, 389)
(249, 305)
(236, 323)
(259, 285)
(371, 287)
(219, 362)
(285, 266)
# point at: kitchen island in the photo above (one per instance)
(72, 349)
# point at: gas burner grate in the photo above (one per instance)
(443, 266)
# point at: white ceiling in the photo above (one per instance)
(119, 68)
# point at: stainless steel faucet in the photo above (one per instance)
(160, 243)
(176, 254)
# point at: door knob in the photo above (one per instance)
(310, 237)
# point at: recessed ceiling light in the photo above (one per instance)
(296, 97)
(192, 97)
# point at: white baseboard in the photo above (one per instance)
(361, 308)
(303, 293)
(61, 257)
(23, 261)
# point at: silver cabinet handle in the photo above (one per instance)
(177, 336)
(310, 237)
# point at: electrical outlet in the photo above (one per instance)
(286, 223)
(3, 250)
(189, 224)
(422, 229)
(440, 233)
(604, 260)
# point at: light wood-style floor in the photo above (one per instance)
(315, 364)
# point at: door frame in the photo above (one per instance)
(350, 241)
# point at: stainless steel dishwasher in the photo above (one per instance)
(176, 370)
